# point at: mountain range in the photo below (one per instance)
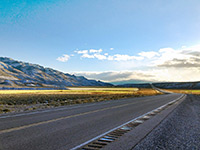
(166, 85)
(18, 74)
(21, 75)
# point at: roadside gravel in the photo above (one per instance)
(180, 130)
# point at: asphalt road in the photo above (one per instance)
(66, 127)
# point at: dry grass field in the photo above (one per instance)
(23, 100)
(185, 91)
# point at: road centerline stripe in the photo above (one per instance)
(61, 118)
(66, 117)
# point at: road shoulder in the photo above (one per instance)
(132, 138)
(180, 130)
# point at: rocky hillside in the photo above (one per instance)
(17, 74)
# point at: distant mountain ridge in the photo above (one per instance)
(167, 85)
(18, 74)
(129, 82)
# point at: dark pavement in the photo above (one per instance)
(67, 127)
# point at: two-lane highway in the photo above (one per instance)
(66, 127)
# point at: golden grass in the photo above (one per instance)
(10, 99)
(185, 91)
(104, 89)
(73, 91)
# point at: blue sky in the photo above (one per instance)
(111, 40)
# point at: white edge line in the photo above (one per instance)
(95, 138)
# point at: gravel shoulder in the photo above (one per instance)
(180, 130)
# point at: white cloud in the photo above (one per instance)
(114, 76)
(95, 51)
(111, 49)
(87, 56)
(63, 58)
(188, 57)
(165, 64)
(81, 52)
(96, 55)
(149, 55)
(119, 57)
(110, 57)
(150, 75)
(100, 57)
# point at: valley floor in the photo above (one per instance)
(28, 100)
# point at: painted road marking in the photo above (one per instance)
(95, 138)
(60, 109)
(52, 110)
(61, 118)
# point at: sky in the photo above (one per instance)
(108, 40)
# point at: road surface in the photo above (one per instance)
(66, 127)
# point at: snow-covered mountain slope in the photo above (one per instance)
(15, 73)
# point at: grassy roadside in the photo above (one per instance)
(23, 100)
(185, 91)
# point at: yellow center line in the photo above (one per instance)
(58, 119)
